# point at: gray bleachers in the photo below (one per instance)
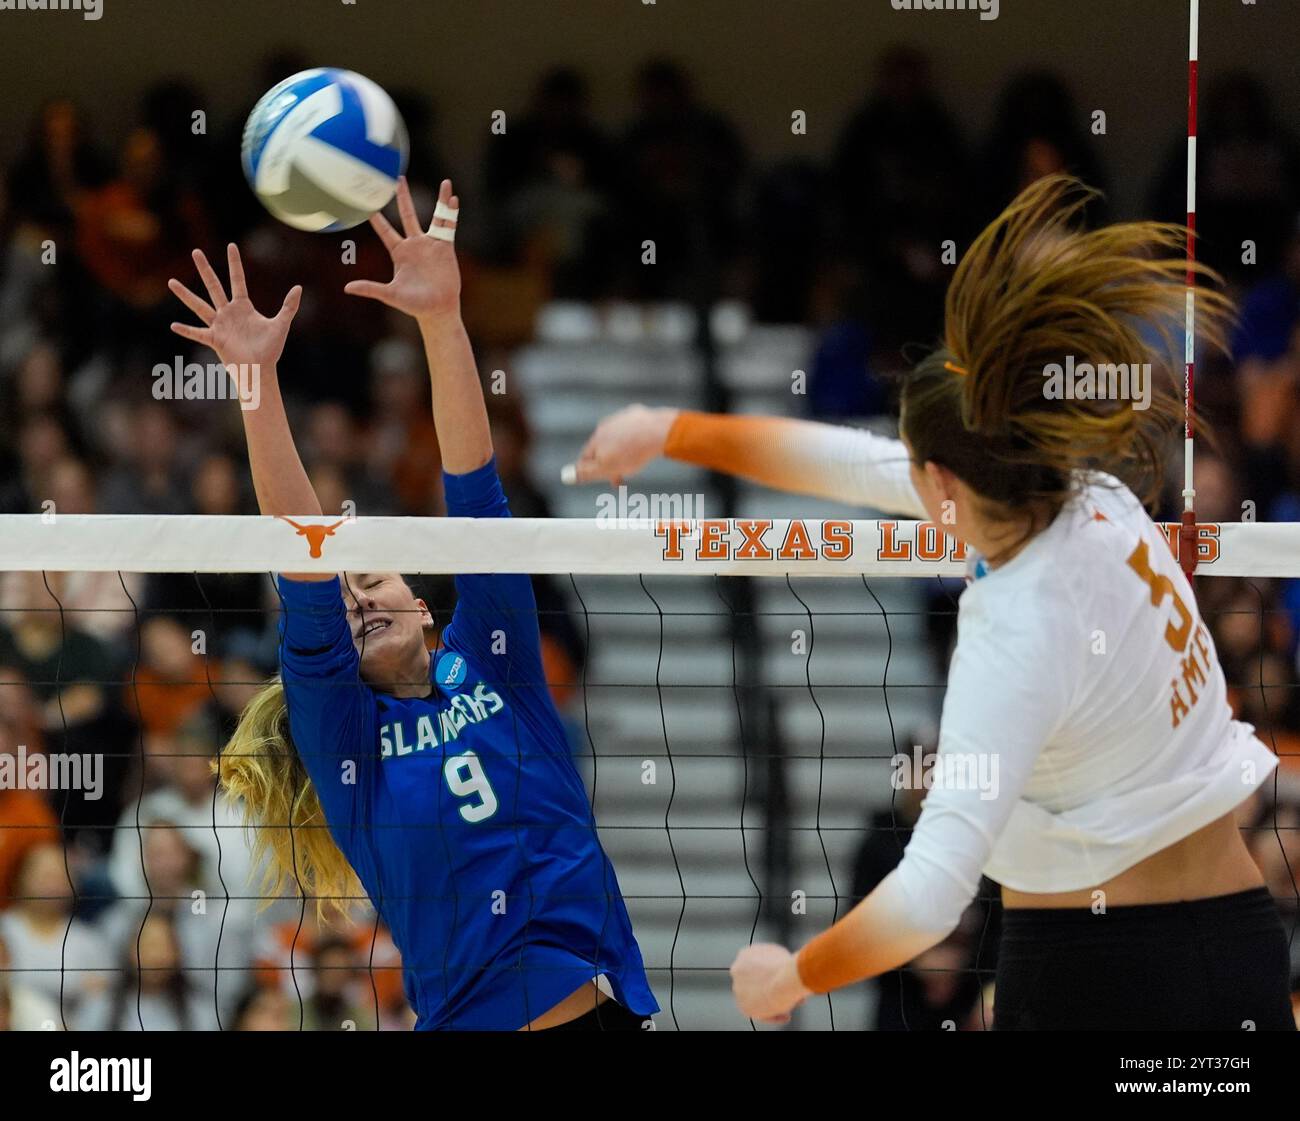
(660, 683)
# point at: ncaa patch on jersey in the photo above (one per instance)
(451, 670)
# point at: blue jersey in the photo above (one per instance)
(462, 812)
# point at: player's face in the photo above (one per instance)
(387, 624)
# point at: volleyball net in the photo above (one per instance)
(753, 705)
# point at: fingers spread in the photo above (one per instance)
(215, 292)
(389, 236)
(238, 287)
(291, 301)
(406, 208)
(196, 304)
(194, 334)
(368, 289)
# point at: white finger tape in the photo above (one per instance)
(447, 213)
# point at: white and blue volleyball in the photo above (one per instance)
(323, 150)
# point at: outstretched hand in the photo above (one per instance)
(623, 443)
(235, 329)
(426, 277)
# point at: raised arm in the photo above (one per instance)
(426, 286)
(249, 345)
(799, 456)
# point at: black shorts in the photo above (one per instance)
(1216, 964)
(607, 1016)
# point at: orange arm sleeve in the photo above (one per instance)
(873, 938)
(800, 457)
(832, 959)
(748, 446)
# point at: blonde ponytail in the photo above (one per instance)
(260, 768)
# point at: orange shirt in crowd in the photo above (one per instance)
(26, 821)
(165, 705)
(377, 956)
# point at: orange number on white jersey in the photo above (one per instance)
(1161, 586)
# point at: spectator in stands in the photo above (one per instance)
(684, 166)
(66, 667)
(170, 684)
(155, 479)
(340, 1000)
(788, 256)
(1038, 130)
(23, 1008)
(558, 120)
(894, 211)
(263, 1009)
(153, 990)
(228, 608)
(235, 682)
(1266, 347)
(133, 234)
(167, 111)
(1270, 315)
(51, 951)
(103, 604)
(20, 708)
(549, 177)
(403, 441)
(39, 386)
(187, 799)
(42, 441)
(842, 383)
(55, 171)
(26, 818)
(1248, 183)
(58, 168)
(212, 934)
(285, 949)
(334, 441)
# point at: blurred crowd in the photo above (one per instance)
(106, 906)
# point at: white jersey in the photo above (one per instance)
(1086, 724)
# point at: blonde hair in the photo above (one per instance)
(1033, 290)
(260, 768)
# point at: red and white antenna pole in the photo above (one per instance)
(1187, 532)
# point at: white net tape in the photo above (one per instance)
(724, 547)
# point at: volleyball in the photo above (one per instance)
(323, 149)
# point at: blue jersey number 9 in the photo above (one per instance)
(465, 779)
